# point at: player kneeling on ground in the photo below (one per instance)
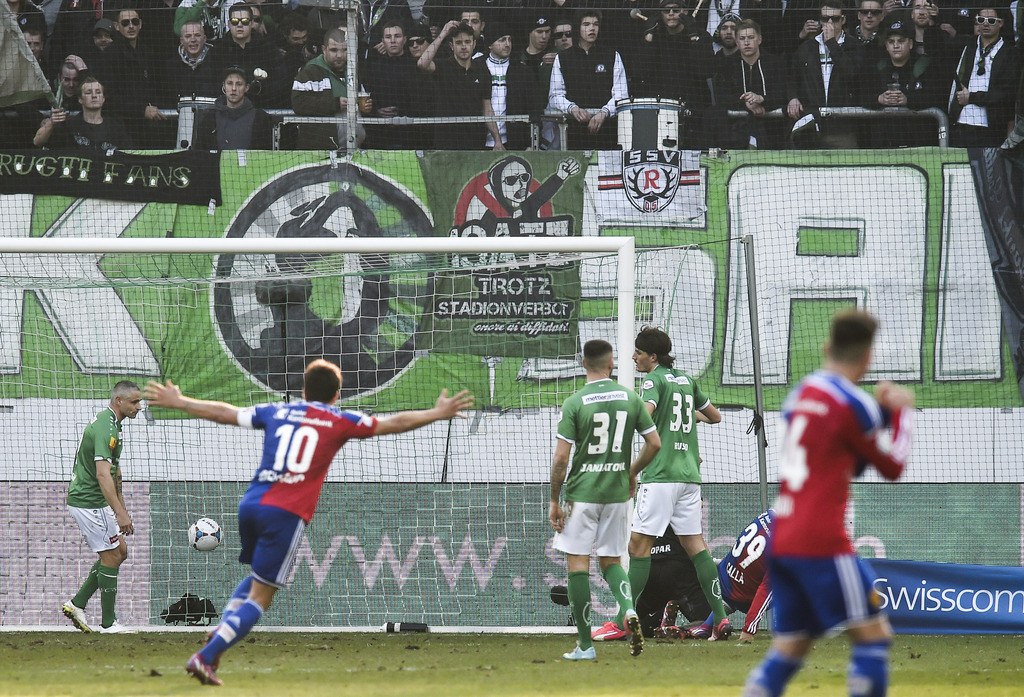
(673, 587)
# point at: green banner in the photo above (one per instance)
(908, 245)
(519, 310)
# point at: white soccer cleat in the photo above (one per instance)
(578, 654)
(117, 628)
(77, 616)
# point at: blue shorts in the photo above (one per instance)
(270, 538)
(814, 595)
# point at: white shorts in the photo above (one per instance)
(99, 526)
(660, 504)
(599, 527)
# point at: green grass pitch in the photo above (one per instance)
(278, 664)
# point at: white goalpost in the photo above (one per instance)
(446, 526)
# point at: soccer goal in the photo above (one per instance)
(446, 526)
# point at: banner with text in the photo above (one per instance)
(929, 598)
(189, 177)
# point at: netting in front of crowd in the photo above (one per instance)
(231, 75)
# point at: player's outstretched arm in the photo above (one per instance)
(446, 408)
(169, 395)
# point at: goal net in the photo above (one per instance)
(446, 525)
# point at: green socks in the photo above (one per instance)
(707, 573)
(579, 603)
(88, 587)
(639, 572)
(107, 579)
(620, 585)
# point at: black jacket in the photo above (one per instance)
(244, 128)
(844, 84)
(998, 100)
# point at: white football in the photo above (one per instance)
(204, 535)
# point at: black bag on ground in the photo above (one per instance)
(190, 609)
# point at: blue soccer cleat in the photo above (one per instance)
(579, 654)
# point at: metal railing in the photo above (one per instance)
(851, 112)
(188, 109)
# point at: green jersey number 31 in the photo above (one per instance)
(602, 427)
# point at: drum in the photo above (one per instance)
(648, 123)
(188, 117)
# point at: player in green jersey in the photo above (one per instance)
(96, 503)
(670, 491)
(599, 420)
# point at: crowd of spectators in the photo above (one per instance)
(747, 73)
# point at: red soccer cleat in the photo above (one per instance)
(721, 631)
(609, 631)
(201, 671)
(697, 631)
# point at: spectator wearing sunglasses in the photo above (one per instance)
(128, 72)
(561, 37)
(827, 73)
(981, 101)
(254, 54)
(868, 30)
(419, 37)
(677, 62)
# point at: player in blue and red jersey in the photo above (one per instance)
(743, 575)
(301, 438)
(818, 582)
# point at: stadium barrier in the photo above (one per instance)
(929, 598)
(861, 114)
